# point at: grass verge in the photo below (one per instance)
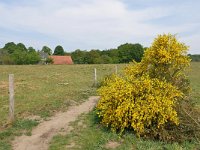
(18, 128)
(88, 134)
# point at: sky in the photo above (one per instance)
(98, 24)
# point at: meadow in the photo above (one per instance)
(45, 90)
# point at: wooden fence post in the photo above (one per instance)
(11, 97)
(95, 77)
(116, 70)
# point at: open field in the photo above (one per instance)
(194, 76)
(44, 90)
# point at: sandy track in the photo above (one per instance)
(43, 133)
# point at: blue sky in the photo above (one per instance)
(98, 24)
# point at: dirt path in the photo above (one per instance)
(43, 133)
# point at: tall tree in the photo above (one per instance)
(46, 50)
(129, 52)
(79, 56)
(59, 50)
(19, 57)
(31, 49)
(21, 47)
(32, 57)
(93, 57)
(10, 47)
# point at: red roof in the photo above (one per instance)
(60, 60)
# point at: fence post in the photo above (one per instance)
(11, 97)
(116, 69)
(95, 77)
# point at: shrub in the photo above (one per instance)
(165, 60)
(147, 97)
(139, 103)
(49, 60)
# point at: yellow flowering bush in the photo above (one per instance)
(138, 104)
(145, 97)
(166, 60)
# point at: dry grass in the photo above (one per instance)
(43, 90)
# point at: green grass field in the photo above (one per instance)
(44, 90)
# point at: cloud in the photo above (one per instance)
(88, 24)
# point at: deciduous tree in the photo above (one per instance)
(59, 50)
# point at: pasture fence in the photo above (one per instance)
(7, 100)
(96, 75)
(11, 97)
(7, 93)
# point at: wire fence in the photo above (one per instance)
(98, 73)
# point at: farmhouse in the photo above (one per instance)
(61, 60)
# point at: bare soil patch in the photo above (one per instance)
(112, 145)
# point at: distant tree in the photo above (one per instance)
(123, 54)
(18, 54)
(67, 53)
(129, 52)
(97, 60)
(137, 52)
(59, 50)
(93, 57)
(79, 57)
(46, 50)
(195, 57)
(5, 58)
(113, 54)
(105, 59)
(19, 57)
(31, 49)
(32, 57)
(21, 47)
(10, 47)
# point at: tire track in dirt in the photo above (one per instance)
(43, 133)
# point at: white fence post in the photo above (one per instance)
(11, 97)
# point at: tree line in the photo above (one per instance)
(195, 57)
(19, 54)
(122, 54)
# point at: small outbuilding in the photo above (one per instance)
(61, 60)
